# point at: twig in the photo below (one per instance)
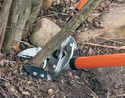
(117, 38)
(110, 40)
(121, 95)
(91, 25)
(108, 93)
(105, 46)
(64, 2)
(4, 79)
(23, 42)
(93, 93)
(9, 27)
(54, 14)
(3, 92)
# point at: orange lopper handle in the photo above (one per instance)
(79, 6)
(113, 60)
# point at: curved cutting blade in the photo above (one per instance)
(35, 71)
(29, 53)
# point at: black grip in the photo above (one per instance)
(72, 63)
(75, 11)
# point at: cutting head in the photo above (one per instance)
(57, 62)
(57, 65)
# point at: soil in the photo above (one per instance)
(86, 83)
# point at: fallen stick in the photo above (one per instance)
(110, 40)
(105, 46)
(23, 42)
(117, 38)
(68, 30)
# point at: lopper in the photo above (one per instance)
(63, 59)
(57, 62)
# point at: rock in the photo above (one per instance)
(43, 32)
(50, 92)
(46, 4)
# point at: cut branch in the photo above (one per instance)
(68, 30)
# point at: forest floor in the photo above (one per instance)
(86, 83)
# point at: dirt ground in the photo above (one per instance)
(86, 83)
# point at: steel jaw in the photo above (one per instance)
(55, 64)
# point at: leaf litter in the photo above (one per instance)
(16, 83)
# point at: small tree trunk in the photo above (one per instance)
(4, 13)
(22, 15)
(68, 30)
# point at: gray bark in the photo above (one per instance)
(4, 13)
(22, 14)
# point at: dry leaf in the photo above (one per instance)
(86, 69)
(2, 61)
(25, 93)
(122, 47)
(102, 9)
(16, 48)
(2, 70)
(7, 84)
(12, 88)
(90, 51)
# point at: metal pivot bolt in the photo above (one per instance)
(41, 75)
(54, 66)
(35, 73)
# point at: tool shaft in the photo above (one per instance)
(113, 60)
(79, 6)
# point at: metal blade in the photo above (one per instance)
(29, 53)
(35, 71)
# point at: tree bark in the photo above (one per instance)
(4, 13)
(22, 14)
(68, 30)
